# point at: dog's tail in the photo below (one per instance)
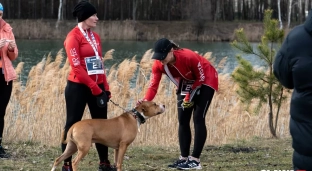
(65, 137)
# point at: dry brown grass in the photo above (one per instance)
(36, 111)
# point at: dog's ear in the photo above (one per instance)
(140, 108)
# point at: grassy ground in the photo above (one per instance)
(253, 155)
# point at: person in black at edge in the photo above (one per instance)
(293, 68)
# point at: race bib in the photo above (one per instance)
(186, 86)
(94, 65)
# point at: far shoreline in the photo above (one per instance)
(129, 30)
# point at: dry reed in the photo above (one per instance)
(36, 111)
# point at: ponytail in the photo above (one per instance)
(175, 46)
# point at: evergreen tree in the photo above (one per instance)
(260, 85)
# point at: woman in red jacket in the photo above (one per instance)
(87, 82)
(197, 80)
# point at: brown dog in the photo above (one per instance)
(117, 133)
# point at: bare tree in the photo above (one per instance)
(19, 9)
(279, 14)
(52, 7)
(289, 12)
(135, 3)
(59, 16)
(121, 10)
(216, 15)
(300, 11)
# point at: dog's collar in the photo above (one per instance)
(139, 116)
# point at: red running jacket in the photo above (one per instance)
(189, 66)
(77, 48)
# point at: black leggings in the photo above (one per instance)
(5, 94)
(201, 105)
(76, 97)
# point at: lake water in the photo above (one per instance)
(31, 52)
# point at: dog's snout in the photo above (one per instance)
(164, 106)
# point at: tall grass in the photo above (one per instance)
(36, 111)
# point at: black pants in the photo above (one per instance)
(5, 94)
(302, 162)
(201, 105)
(76, 97)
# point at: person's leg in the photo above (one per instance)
(184, 132)
(202, 103)
(99, 113)
(75, 98)
(5, 94)
(185, 135)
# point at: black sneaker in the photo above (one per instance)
(3, 154)
(189, 164)
(177, 163)
(67, 168)
(106, 167)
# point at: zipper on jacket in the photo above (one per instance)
(180, 73)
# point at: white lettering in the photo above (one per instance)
(76, 61)
(201, 72)
(73, 52)
(188, 87)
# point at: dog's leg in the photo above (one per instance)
(121, 152)
(115, 156)
(82, 152)
(71, 148)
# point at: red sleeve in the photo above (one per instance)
(13, 55)
(72, 50)
(154, 82)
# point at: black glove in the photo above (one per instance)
(108, 94)
(102, 99)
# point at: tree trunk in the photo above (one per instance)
(121, 10)
(42, 8)
(59, 16)
(300, 10)
(217, 11)
(64, 11)
(134, 3)
(19, 9)
(279, 14)
(8, 11)
(271, 124)
(289, 12)
(52, 8)
(271, 118)
(105, 9)
(239, 10)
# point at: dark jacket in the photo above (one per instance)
(293, 68)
